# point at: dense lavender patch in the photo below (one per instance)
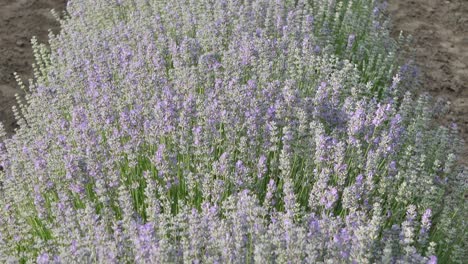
(228, 132)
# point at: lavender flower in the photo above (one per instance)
(351, 39)
(228, 132)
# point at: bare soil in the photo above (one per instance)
(439, 29)
(20, 20)
(440, 39)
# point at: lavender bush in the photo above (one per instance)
(200, 131)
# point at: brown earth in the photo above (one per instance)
(439, 29)
(440, 41)
(20, 20)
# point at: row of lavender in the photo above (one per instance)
(265, 131)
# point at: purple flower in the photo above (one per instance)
(425, 226)
(317, 49)
(381, 114)
(224, 131)
(43, 259)
(329, 197)
(432, 260)
(261, 167)
(351, 39)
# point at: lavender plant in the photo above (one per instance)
(198, 131)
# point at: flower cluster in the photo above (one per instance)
(199, 131)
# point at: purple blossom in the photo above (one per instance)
(351, 39)
(227, 131)
(43, 259)
(432, 260)
(261, 167)
(329, 198)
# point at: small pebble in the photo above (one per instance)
(20, 43)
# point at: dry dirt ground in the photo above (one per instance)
(440, 38)
(20, 20)
(439, 28)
